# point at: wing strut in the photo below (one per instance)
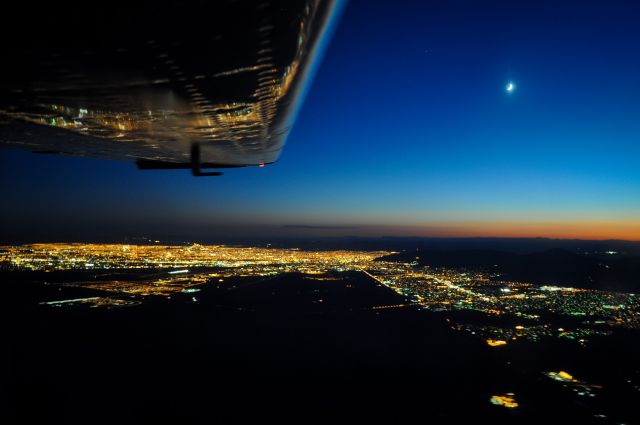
(195, 165)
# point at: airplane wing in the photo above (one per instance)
(177, 84)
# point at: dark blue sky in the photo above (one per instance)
(406, 129)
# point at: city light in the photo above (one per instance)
(506, 400)
(583, 314)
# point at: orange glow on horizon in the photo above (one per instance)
(591, 231)
(588, 230)
(555, 230)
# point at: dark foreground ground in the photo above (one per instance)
(269, 351)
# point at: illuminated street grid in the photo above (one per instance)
(183, 266)
(513, 310)
(505, 311)
(248, 261)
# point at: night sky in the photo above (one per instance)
(407, 129)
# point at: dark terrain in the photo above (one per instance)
(591, 270)
(266, 350)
